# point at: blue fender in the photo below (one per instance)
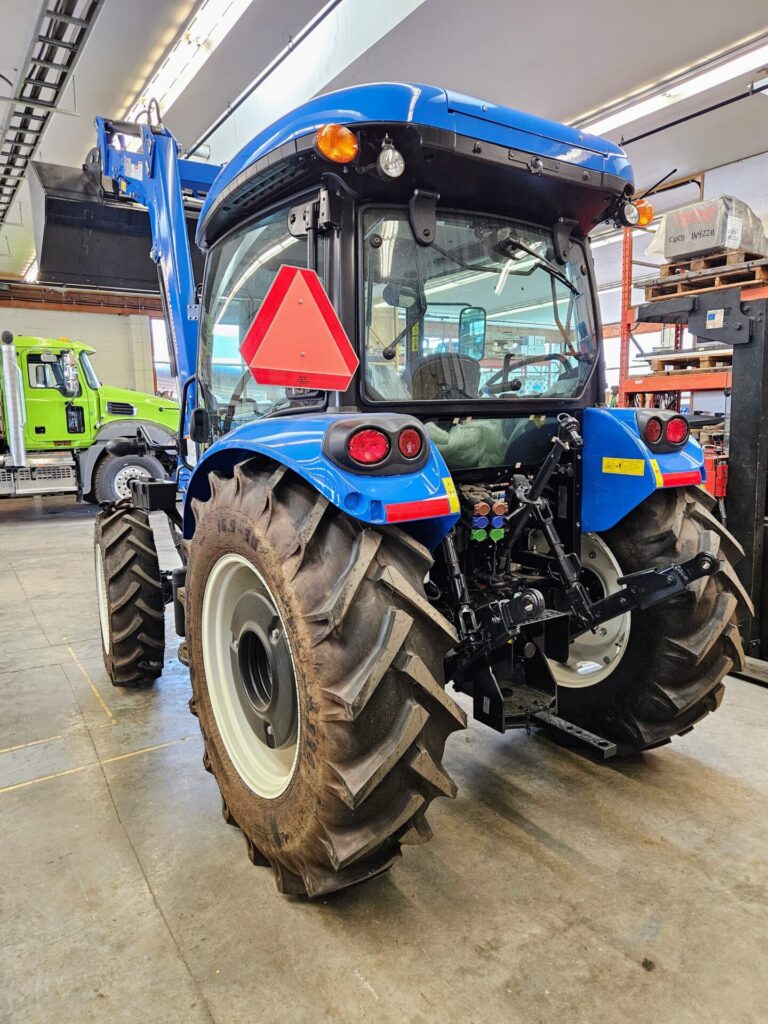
(620, 471)
(423, 503)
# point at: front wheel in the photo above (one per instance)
(129, 590)
(114, 473)
(317, 678)
(646, 676)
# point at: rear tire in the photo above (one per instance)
(670, 675)
(366, 650)
(130, 595)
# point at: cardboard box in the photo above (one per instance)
(724, 224)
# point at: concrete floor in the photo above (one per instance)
(555, 890)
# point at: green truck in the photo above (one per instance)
(57, 419)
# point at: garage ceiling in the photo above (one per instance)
(588, 57)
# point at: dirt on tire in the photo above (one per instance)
(368, 653)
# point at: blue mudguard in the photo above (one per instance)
(424, 503)
(620, 471)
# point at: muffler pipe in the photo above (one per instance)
(13, 400)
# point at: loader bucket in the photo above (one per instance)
(84, 237)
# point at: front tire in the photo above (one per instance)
(357, 667)
(130, 596)
(112, 480)
(669, 676)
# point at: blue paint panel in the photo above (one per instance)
(296, 442)
(427, 105)
(608, 497)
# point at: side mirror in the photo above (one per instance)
(199, 426)
(472, 332)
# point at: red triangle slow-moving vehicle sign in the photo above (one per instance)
(296, 338)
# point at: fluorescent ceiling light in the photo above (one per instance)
(675, 91)
(210, 24)
(30, 274)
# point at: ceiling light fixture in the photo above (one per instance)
(673, 91)
(212, 21)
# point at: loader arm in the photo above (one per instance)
(153, 174)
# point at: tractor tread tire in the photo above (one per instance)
(368, 653)
(670, 676)
(124, 539)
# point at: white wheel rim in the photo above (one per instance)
(594, 655)
(125, 475)
(101, 591)
(267, 771)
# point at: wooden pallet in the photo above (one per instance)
(690, 359)
(720, 270)
(713, 261)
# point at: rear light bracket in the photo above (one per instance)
(664, 415)
(392, 424)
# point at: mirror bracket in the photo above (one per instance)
(423, 214)
(562, 230)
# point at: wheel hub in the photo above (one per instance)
(594, 655)
(262, 670)
(125, 475)
(250, 675)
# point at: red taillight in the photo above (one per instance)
(653, 431)
(677, 430)
(410, 443)
(368, 447)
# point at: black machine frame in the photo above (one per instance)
(737, 317)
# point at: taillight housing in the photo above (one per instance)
(380, 444)
(663, 430)
(368, 446)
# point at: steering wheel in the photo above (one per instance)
(500, 383)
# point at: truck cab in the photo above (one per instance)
(66, 417)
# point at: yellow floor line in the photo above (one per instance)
(104, 706)
(145, 750)
(32, 743)
(95, 764)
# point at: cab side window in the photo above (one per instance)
(40, 374)
(240, 272)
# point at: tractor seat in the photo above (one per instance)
(444, 375)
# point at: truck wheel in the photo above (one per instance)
(645, 677)
(317, 678)
(130, 595)
(112, 480)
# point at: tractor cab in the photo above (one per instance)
(456, 259)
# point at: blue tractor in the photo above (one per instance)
(459, 508)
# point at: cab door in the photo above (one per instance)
(57, 412)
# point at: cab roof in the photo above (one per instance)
(417, 105)
(28, 342)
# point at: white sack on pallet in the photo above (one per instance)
(724, 224)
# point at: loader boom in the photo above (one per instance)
(152, 174)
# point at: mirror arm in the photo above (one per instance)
(422, 210)
(562, 231)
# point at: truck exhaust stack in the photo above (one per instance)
(14, 406)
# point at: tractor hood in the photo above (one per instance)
(121, 403)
